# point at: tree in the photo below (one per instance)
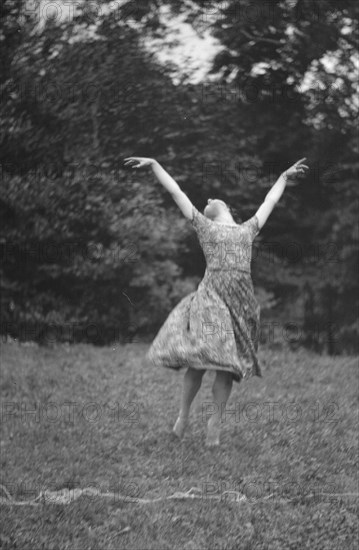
(80, 95)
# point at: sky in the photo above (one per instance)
(192, 54)
(188, 51)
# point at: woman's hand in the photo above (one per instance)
(166, 180)
(138, 162)
(298, 170)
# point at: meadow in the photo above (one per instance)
(80, 416)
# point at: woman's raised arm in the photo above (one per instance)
(166, 180)
(297, 170)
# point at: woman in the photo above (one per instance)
(217, 326)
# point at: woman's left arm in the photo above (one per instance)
(183, 202)
(297, 170)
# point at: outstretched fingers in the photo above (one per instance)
(300, 164)
(132, 161)
(300, 168)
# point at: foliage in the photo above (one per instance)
(86, 243)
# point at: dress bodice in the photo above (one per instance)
(226, 247)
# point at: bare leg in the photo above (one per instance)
(221, 390)
(191, 384)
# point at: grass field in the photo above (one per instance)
(80, 416)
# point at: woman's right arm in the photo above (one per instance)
(182, 201)
(297, 170)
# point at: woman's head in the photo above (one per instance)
(217, 209)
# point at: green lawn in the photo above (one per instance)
(102, 418)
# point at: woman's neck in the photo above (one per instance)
(225, 218)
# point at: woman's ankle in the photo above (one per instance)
(183, 415)
(214, 422)
(180, 426)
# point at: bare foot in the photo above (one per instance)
(180, 426)
(213, 433)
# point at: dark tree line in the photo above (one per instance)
(93, 252)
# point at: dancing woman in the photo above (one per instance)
(217, 326)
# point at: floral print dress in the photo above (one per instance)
(217, 326)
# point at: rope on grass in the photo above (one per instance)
(66, 496)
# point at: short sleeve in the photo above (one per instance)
(198, 220)
(253, 225)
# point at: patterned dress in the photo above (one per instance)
(217, 326)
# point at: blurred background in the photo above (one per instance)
(225, 95)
